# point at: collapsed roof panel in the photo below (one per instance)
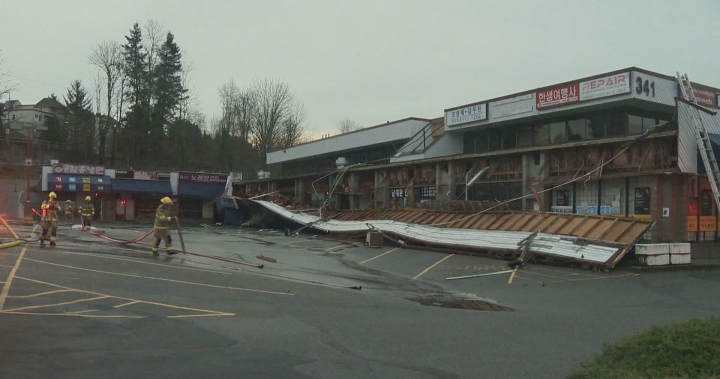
(600, 241)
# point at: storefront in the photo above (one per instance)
(76, 187)
(138, 193)
(197, 193)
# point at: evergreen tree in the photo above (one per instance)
(135, 66)
(81, 127)
(169, 88)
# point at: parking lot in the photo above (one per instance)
(90, 308)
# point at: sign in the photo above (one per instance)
(28, 161)
(398, 192)
(72, 179)
(86, 187)
(72, 187)
(692, 224)
(604, 87)
(58, 187)
(562, 198)
(205, 178)
(708, 223)
(427, 192)
(86, 180)
(666, 212)
(162, 176)
(642, 201)
(144, 175)
(557, 96)
(124, 174)
(78, 169)
(561, 209)
(477, 112)
(692, 209)
(101, 188)
(705, 98)
(58, 178)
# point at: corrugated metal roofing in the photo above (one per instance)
(595, 240)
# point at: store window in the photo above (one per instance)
(541, 135)
(494, 141)
(596, 126)
(468, 143)
(481, 143)
(509, 139)
(635, 124)
(576, 130)
(525, 136)
(558, 132)
(616, 125)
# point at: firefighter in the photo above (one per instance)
(162, 227)
(49, 220)
(69, 213)
(87, 211)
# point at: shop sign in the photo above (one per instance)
(86, 188)
(477, 112)
(705, 97)
(58, 178)
(708, 223)
(556, 96)
(162, 176)
(398, 192)
(78, 169)
(58, 187)
(124, 174)
(86, 180)
(205, 178)
(642, 201)
(72, 187)
(427, 192)
(72, 179)
(604, 87)
(692, 217)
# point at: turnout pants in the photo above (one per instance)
(48, 226)
(162, 234)
(87, 220)
(70, 218)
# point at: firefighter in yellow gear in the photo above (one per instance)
(162, 226)
(69, 213)
(87, 211)
(49, 220)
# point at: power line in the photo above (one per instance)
(37, 81)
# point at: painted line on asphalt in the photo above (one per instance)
(39, 294)
(56, 304)
(9, 280)
(160, 279)
(380, 255)
(431, 267)
(126, 304)
(512, 276)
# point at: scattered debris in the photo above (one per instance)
(271, 260)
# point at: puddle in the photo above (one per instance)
(472, 304)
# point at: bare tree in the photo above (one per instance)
(229, 94)
(6, 84)
(347, 125)
(273, 100)
(108, 58)
(189, 105)
(152, 41)
(293, 126)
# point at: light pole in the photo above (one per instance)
(28, 163)
(473, 180)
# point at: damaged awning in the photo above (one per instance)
(599, 241)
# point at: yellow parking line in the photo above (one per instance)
(6, 266)
(8, 281)
(430, 268)
(141, 262)
(39, 294)
(69, 315)
(52, 305)
(205, 315)
(161, 279)
(126, 304)
(378, 256)
(512, 276)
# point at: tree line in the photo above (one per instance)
(141, 111)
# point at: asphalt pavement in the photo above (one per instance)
(90, 308)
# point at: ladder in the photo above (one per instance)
(703, 140)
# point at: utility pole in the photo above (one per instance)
(28, 163)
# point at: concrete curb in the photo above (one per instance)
(690, 267)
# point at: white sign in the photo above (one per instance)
(603, 87)
(28, 161)
(666, 212)
(467, 114)
(512, 106)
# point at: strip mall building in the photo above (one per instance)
(134, 195)
(541, 139)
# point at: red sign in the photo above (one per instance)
(557, 96)
(705, 98)
(58, 187)
(78, 169)
(200, 177)
(692, 209)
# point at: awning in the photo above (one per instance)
(208, 191)
(715, 141)
(155, 187)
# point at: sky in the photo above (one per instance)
(371, 60)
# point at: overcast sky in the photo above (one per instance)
(371, 60)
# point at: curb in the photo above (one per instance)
(646, 269)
